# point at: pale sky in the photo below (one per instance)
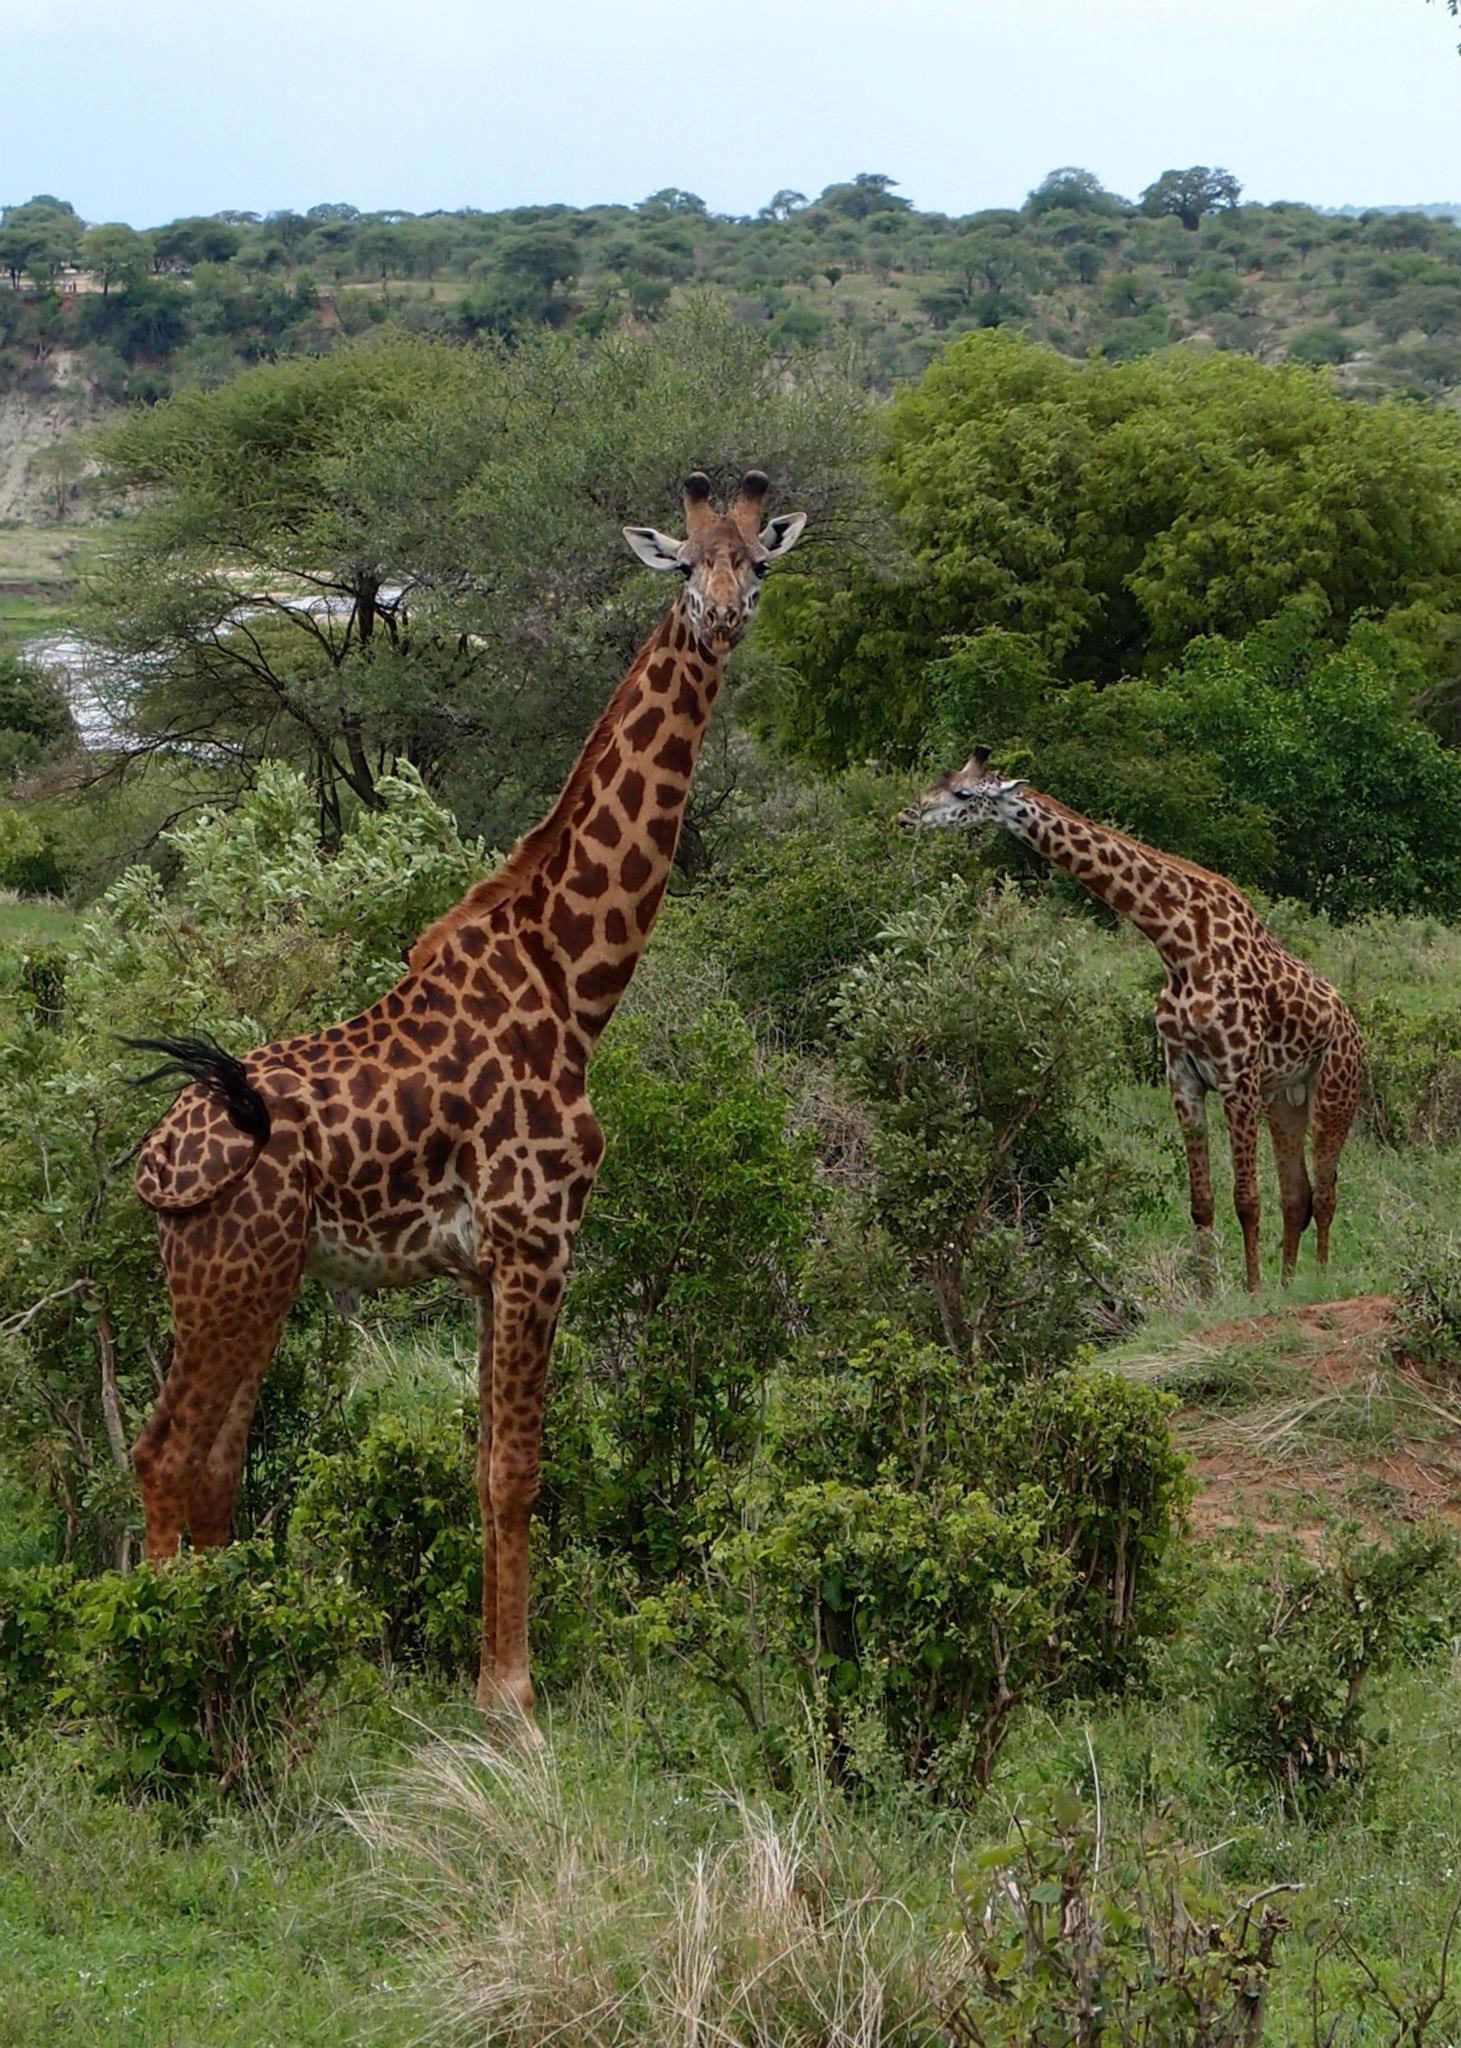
(142, 110)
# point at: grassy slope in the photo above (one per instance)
(40, 572)
(151, 1929)
(23, 922)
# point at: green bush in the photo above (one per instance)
(1321, 345)
(214, 1668)
(682, 1301)
(797, 912)
(1287, 763)
(1113, 512)
(30, 860)
(1412, 1080)
(924, 1552)
(396, 1517)
(1071, 1937)
(977, 1041)
(210, 1669)
(35, 718)
(35, 1620)
(935, 1615)
(1301, 1640)
(1428, 1303)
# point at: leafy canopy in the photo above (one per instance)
(1111, 513)
(405, 551)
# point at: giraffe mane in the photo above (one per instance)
(539, 841)
(1155, 853)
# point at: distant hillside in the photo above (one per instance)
(1449, 209)
(1376, 293)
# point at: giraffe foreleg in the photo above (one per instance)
(1336, 1098)
(1287, 1125)
(487, 1667)
(1240, 1106)
(527, 1292)
(1189, 1100)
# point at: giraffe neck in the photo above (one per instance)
(1169, 901)
(584, 886)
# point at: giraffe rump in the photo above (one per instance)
(216, 1071)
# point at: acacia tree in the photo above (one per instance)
(114, 252)
(38, 238)
(406, 551)
(240, 611)
(1072, 190)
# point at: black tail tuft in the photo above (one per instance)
(199, 1059)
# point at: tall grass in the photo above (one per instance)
(542, 1913)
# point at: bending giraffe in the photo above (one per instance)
(1237, 1014)
(447, 1129)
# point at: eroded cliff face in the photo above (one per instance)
(34, 423)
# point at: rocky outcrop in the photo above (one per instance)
(31, 423)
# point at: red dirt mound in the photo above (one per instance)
(1351, 1427)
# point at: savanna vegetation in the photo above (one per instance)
(953, 1628)
(856, 268)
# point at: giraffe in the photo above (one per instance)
(447, 1129)
(1237, 1014)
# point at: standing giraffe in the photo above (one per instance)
(447, 1129)
(1237, 1013)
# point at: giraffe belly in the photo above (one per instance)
(344, 1259)
(359, 1268)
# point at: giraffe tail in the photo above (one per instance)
(212, 1134)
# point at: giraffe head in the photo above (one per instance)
(723, 557)
(968, 797)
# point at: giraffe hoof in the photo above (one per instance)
(510, 1703)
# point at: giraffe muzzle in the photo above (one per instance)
(721, 630)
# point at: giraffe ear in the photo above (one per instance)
(656, 550)
(780, 535)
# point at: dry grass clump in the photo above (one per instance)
(540, 1917)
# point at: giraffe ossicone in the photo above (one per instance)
(1238, 1014)
(447, 1129)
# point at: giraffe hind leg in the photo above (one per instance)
(189, 1459)
(1189, 1101)
(214, 1490)
(1240, 1106)
(1336, 1098)
(231, 1285)
(1288, 1123)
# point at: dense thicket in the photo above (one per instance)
(1110, 514)
(1209, 601)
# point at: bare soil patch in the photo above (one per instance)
(1352, 1427)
